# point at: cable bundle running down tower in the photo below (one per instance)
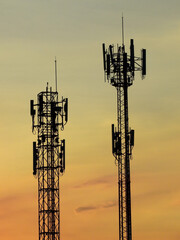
(120, 69)
(49, 159)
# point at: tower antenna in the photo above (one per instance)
(122, 30)
(55, 73)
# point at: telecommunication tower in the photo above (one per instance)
(119, 68)
(49, 158)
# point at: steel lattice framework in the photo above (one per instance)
(119, 70)
(49, 159)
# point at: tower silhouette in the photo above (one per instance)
(120, 68)
(48, 158)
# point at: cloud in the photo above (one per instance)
(109, 204)
(104, 180)
(87, 208)
(8, 199)
(15, 204)
(153, 194)
(16, 197)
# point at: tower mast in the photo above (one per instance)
(119, 68)
(48, 158)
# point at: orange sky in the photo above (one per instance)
(32, 34)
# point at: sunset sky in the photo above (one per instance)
(32, 33)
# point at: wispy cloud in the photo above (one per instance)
(8, 199)
(86, 208)
(109, 204)
(104, 180)
(153, 194)
(15, 197)
(15, 204)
